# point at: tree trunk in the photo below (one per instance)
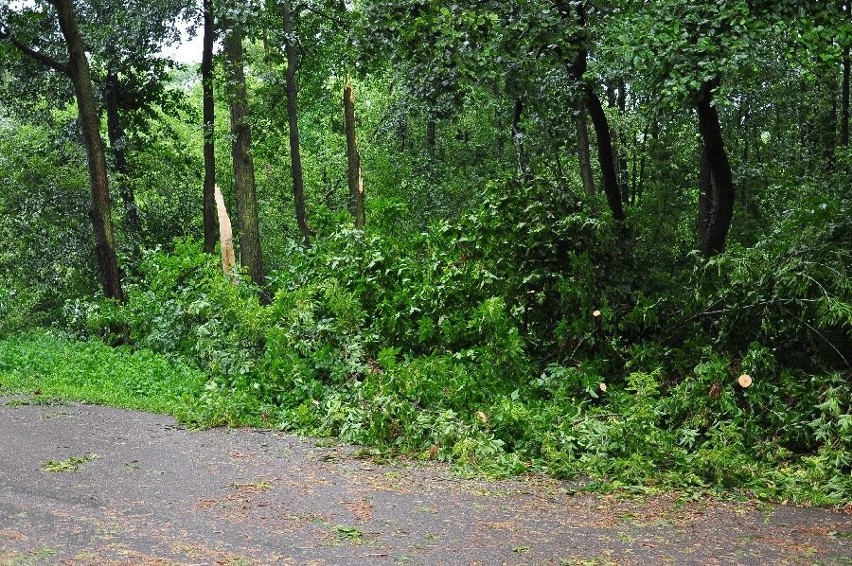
(244, 182)
(499, 124)
(210, 211)
(606, 156)
(353, 160)
(705, 196)
(577, 67)
(623, 174)
(117, 141)
(78, 70)
(583, 152)
(293, 118)
(722, 205)
(844, 97)
(431, 136)
(829, 128)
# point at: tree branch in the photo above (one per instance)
(46, 60)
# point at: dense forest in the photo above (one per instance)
(600, 240)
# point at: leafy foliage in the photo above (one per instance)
(490, 315)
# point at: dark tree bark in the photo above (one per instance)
(499, 124)
(210, 229)
(829, 128)
(78, 70)
(623, 175)
(705, 196)
(353, 160)
(583, 152)
(722, 205)
(431, 136)
(244, 181)
(606, 155)
(117, 143)
(844, 97)
(293, 118)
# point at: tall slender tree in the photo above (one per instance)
(78, 70)
(591, 101)
(287, 18)
(117, 144)
(244, 179)
(721, 205)
(209, 117)
(353, 159)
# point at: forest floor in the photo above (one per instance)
(82, 484)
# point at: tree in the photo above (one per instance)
(244, 180)
(721, 196)
(77, 69)
(353, 159)
(209, 117)
(591, 101)
(293, 119)
(132, 77)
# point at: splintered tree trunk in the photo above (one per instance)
(229, 261)
(209, 130)
(353, 159)
(293, 118)
(247, 219)
(78, 69)
(583, 152)
(117, 141)
(722, 205)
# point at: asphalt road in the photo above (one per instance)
(146, 491)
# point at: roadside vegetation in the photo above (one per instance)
(470, 289)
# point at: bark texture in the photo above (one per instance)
(353, 160)
(606, 155)
(844, 97)
(705, 196)
(583, 152)
(589, 98)
(293, 119)
(117, 144)
(244, 182)
(209, 130)
(78, 70)
(722, 205)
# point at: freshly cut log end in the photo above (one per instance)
(744, 381)
(226, 235)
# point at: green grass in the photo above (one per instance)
(44, 365)
(616, 446)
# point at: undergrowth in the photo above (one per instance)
(521, 338)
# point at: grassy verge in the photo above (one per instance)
(49, 366)
(614, 446)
